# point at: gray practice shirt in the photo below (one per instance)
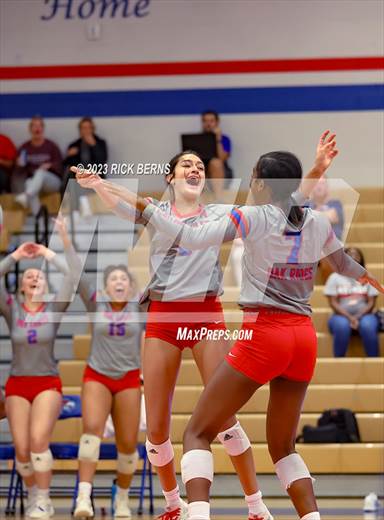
(33, 334)
(116, 335)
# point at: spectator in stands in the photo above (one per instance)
(8, 155)
(353, 305)
(89, 148)
(39, 167)
(217, 168)
(321, 201)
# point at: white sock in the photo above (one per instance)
(43, 493)
(255, 503)
(122, 491)
(198, 511)
(311, 516)
(85, 488)
(32, 491)
(172, 498)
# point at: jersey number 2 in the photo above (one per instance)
(32, 336)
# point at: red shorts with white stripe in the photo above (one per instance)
(280, 344)
(183, 323)
(130, 380)
(30, 387)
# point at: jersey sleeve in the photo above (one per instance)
(333, 250)
(64, 295)
(5, 299)
(86, 287)
(198, 236)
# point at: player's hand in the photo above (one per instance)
(61, 226)
(368, 278)
(26, 250)
(85, 178)
(326, 151)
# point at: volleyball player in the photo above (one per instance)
(111, 381)
(283, 245)
(183, 292)
(33, 390)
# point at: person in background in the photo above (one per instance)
(320, 200)
(353, 305)
(39, 167)
(33, 391)
(2, 398)
(333, 208)
(111, 381)
(8, 155)
(217, 168)
(88, 149)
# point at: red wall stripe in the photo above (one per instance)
(188, 68)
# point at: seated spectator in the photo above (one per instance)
(217, 168)
(89, 148)
(333, 208)
(8, 154)
(39, 167)
(353, 305)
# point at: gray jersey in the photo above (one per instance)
(116, 335)
(180, 273)
(33, 334)
(280, 260)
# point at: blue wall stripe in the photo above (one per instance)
(182, 102)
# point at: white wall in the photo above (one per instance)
(186, 30)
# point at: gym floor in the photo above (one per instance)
(225, 509)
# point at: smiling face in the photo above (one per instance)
(118, 286)
(188, 176)
(33, 284)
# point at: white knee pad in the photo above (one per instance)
(234, 440)
(42, 462)
(127, 463)
(89, 447)
(159, 454)
(291, 468)
(197, 464)
(24, 469)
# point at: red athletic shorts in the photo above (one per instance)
(183, 324)
(282, 344)
(130, 380)
(31, 386)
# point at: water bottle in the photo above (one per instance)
(113, 495)
(23, 158)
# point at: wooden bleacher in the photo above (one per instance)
(353, 382)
